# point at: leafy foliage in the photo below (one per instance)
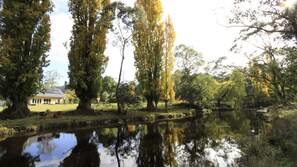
(197, 89)
(188, 59)
(25, 41)
(128, 96)
(88, 42)
(124, 17)
(148, 40)
(168, 61)
(265, 16)
(108, 89)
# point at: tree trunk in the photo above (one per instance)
(17, 110)
(156, 105)
(119, 138)
(150, 104)
(119, 80)
(84, 106)
(166, 105)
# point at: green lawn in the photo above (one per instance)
(36, 120)
(54, 107)
(1, 108)
(66, 107)
(71, 107)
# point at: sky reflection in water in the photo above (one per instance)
(199, 142)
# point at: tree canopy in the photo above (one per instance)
(265, 16)
(148, 40)
(168, 62)
(25, 41)
(88, 43)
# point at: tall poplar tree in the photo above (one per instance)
(168, 60)
(148, 40)
(24, 43)
(88, 42)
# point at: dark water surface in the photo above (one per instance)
(211, 140)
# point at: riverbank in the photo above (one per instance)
(274, 144)
(70, 120)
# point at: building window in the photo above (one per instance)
(47, 101)
(36, 101)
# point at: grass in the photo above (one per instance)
(103, 113)
(66, 107)
(72, 107)
(54, 107)
(275, 146)
(1, 108)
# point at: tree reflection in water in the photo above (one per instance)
(150, 148)
(13, 156)
(124, 146)
(85, 153)
(207, 141)
(194, 145)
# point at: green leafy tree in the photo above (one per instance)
(108, 89)
(168, 61)
(177, 79)
(188, 59)
(88, 42)
(124, 16)
(217, 68)
(197, 89)
(24, 43)
(232, 89)
(271, 68)
(148, 40)
(291, 70)
(127, 96)
(238, 93)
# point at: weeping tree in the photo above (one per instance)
(88, 43)
(148, 40)
(24, 43)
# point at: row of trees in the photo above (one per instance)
(152, 38)
(25, 42)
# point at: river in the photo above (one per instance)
(211, 140)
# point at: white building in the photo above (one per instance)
(48, 96)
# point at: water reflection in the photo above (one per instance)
(208, 141)
(84, 153)
(50, 148)
(14, 155)
(150, 148)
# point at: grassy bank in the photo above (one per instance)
(66, 107)
(104, 115)
(276, 143)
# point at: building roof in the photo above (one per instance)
(62, 88)
(51, 93)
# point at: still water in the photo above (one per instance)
(211, 140)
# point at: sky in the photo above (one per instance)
(197, 24)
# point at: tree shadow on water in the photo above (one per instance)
(84, 154)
